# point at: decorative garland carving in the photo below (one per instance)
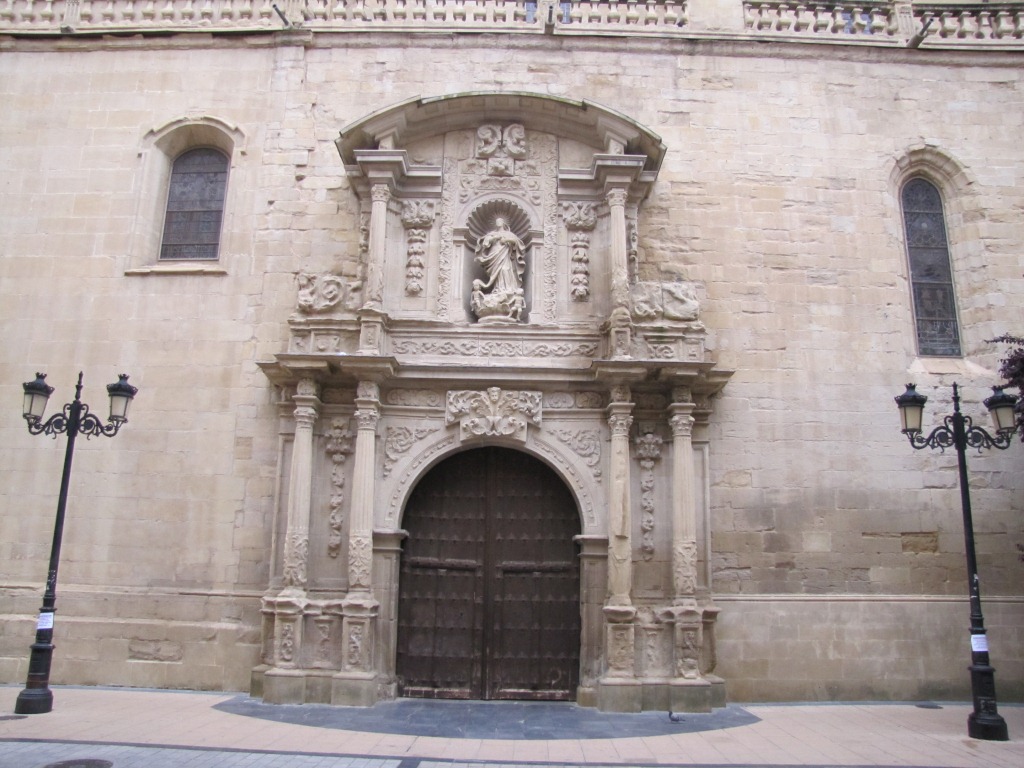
(494, 412)
(417, 217)
(648, 451)
(580, 219)
(286, 646)
(399, 440)
(339, 445)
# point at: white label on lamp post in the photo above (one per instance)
(979, 643)
(45, 621)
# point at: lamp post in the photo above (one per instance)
(73, 420)
(959, 432)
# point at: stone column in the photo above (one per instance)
(619, 321)
(684, 509)
(356, 684)
(689, 692)
(620, 521)
(285, 682)
(300, 489)
(371, 316)
(619, 690)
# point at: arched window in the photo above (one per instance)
(931, 276)
(195, 205)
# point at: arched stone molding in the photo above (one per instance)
(418, 117)
(158, 149)
(438, 446)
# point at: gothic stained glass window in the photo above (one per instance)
(195, 205)
(931, 277)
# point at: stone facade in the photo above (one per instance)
(659, 246)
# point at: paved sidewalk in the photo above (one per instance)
(125, 728)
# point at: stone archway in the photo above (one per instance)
(490, 583)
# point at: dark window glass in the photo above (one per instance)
(931, 277)
(195, 205)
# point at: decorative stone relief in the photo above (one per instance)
(664, 302)
(322, 293)
(586, 443)
(322, 657)
(685, 564)
(397, 441)
(286, 643)
(417, 217)
(360, 552)
(295, 557)
(648, 451)
(501, 147)
(423, 398)
(580, 219)
(494, 412)
(476, 348)
(339, 445)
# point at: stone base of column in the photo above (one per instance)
(690, 695)
(718, 694)
(586, 696)
(256, 680)
(354, 689)
(620, 695)
(284, 686)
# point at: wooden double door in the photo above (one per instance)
(489, 588)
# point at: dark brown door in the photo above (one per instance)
(488, 602)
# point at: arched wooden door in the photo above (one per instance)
(488, 603)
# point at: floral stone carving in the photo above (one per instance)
(494, 412)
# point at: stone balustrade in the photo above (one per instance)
(657, 17)
(892, 23)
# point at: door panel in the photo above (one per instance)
(489, 591)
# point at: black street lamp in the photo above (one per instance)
(75, 419)
(959, 432)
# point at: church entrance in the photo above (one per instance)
(489, 589)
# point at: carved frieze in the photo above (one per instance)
(494, 412)
(476, 348)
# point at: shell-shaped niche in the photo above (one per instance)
(483, 218)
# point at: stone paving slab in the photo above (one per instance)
(490, 719)
(137, 727)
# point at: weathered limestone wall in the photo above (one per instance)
(778, 199)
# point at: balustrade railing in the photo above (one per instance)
(658, 17)
(940, 24)
(884, 22)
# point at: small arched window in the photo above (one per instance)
(195, 205)
(931, 275)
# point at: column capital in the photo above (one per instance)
(380, 193)
(616, 196)
(681, 422)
